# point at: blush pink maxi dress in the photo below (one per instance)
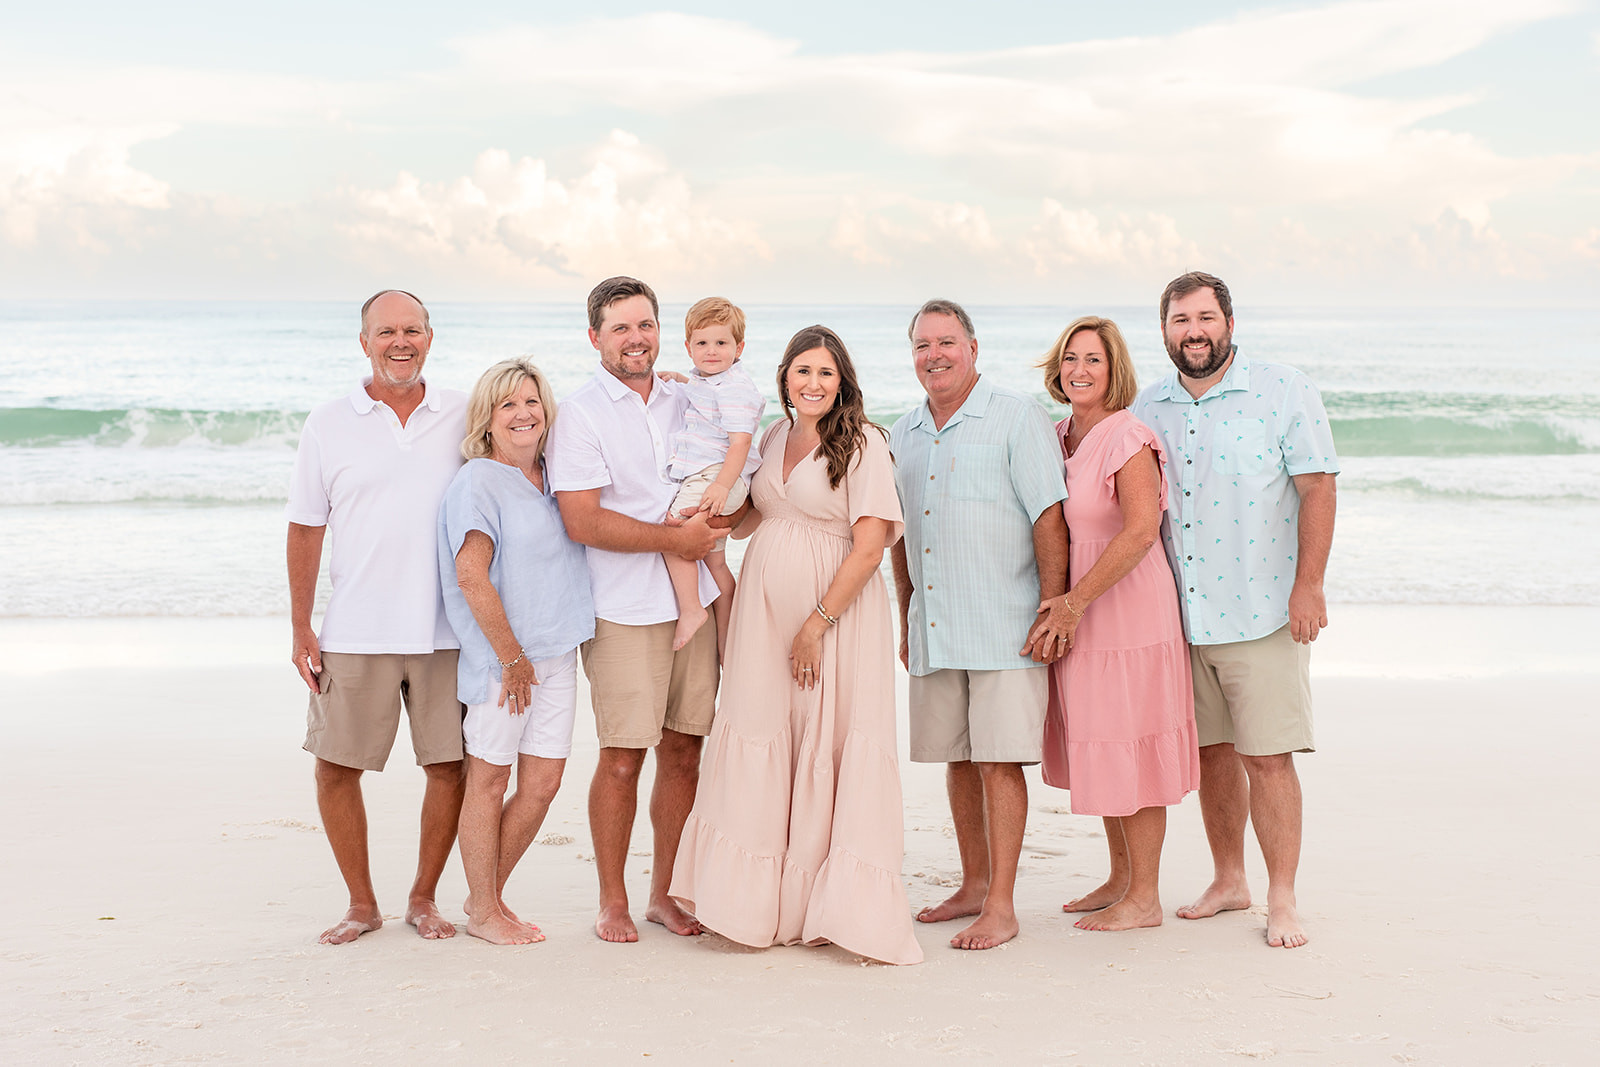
(1120, 731)
(797, 833)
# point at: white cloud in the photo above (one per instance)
(511, 220)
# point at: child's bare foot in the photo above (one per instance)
(689, 623)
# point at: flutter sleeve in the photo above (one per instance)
(1131, 436)
(870, 486)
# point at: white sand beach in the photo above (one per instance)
(166, 878)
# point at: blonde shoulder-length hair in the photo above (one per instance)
(1123, 385)
(496, 384)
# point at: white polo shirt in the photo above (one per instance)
(605, 437)
(376, 486)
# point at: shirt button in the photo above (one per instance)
(1189, 461)
(1185, 526)
(930, 587)
(926, 551)
(1186, 492)
(1186, 558)
(1191, 432)
(1191, 589)
(927, 513)
(931, 477)
(931, 625)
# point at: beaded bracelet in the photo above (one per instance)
(508, 664)
(831, 620)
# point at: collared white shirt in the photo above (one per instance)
(606, 437)
(1232, 531)
(376, 485)
(972, 491)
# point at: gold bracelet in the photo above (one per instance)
(831, 620)
(1070, 611)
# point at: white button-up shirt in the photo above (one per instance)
(606, 437)
(376, 485)
(1232, 530)
(972, 491)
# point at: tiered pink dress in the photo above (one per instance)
(1120, 732)
(797, 833)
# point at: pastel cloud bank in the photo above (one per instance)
(702, 152)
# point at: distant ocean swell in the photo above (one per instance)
(1382, 424)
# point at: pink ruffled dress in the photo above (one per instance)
(797, 834)
(1120, 731)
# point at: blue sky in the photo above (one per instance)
(1402, 151)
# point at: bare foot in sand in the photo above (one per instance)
(616, 925)
(424, 915)
(957, 905)
(356, 921)
(674, 918)
(1283, 925)
(1125, 914)
(1219, 896)
(689, 624)
(1103, 897)
(988, 932)
(497, 929)
(507, 912)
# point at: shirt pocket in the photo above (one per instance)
(1240, 446)
(977, 472)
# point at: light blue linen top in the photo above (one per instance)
(971, 493)
(538, 571)
(1232, 529)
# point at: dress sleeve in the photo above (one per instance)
(869, 486)
(1132, 436)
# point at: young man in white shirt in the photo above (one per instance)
(609, 460)
(374, 466)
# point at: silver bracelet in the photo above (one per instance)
(508, 664)
(831, 620)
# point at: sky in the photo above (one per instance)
(1373, 152)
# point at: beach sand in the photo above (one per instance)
(166, 878)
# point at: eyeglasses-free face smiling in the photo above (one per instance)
(812, 382)
(1085, 371)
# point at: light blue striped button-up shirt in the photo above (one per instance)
(1231, 528)
(971, 492)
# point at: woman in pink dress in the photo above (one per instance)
(797, 832)
(1120, 732)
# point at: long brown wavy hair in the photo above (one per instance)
(843, 428)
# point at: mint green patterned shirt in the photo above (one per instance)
(1232, 529)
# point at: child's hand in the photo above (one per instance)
(714, 498)
(672, 376)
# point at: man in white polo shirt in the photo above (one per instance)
(373, 466)
(609, 462)
(1250, 461)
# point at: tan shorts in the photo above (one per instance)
(1255, 695)
(694, 487)
(638, 685)
(354, 719)
(983, 716)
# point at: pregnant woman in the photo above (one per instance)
(797, 831)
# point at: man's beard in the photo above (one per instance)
(1218, 355)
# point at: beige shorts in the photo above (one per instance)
(354, 719)
(694, 487)
(638, 685)
(983, 716)
(1255, 695)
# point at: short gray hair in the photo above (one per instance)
(943, 307)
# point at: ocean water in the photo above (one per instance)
(145, 448)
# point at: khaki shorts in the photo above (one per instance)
(639, 686)
(694, 487)
(354, 719)
(1255, 695)
(983, 716)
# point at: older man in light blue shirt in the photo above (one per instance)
(980, 478)
(1251, 465)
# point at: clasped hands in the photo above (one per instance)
(1051, 636)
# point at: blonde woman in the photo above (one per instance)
(517, 594)
(1120, 731)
